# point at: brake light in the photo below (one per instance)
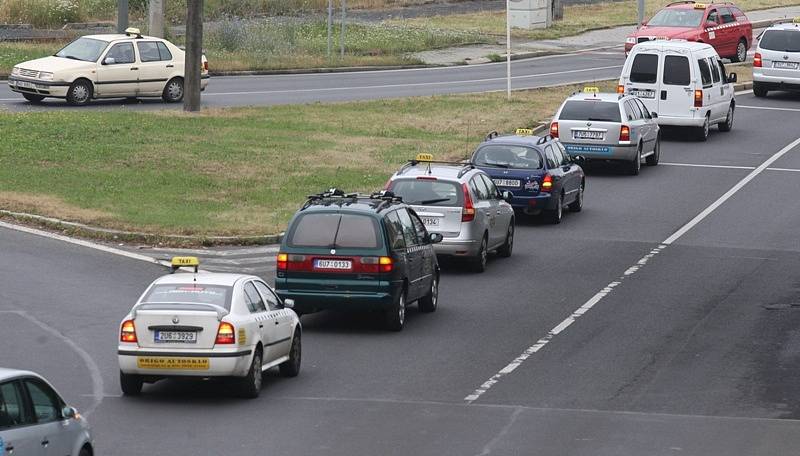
(376, 264)
(620, 89)
(128, 332)
(283, 261)
(698, 98)
(205, 65)
(225, 334)
(757, 60)
(547, 183)
(554, 129)
(468, 212)
(388, 185)
(624, 133)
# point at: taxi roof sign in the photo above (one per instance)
(700, 6)
(524, 132)
(591, 90)
(188, 261)
(133, 31)
(424, 157)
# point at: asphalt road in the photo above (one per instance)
(677, 345)
(369, 85)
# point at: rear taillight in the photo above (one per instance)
(468, 212)
(388, 185)
(698, 98)
(283, 262)
(205, 65)
(547, 183)
(554, 129)
(225, 334)
(376, 264)
(757, 60)
(128, 332)
(620, 89)
(624, 133)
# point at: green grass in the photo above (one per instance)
(234, 171)
(14, 53)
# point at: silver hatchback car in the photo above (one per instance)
(608, 126)
(35, 420)
(776, 64)
(460, 202)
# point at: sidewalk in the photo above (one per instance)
(602, 39)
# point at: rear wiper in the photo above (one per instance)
(433, 201)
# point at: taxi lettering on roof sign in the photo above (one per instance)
(424, 157)
(524, 132)
(700, 6)
(591, 90)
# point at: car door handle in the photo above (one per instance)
(134, 69)
(170, 66)
(663, 94)
(45, 443)
(261, 326)
(277, 322)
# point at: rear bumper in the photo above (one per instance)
(776, 82)
(307, 301)
(602, 152)
(230, 363)
(696, 121)
(457, 247)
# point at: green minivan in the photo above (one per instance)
(356, 252)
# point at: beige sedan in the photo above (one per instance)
(106, 66)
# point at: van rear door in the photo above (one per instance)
(676, 95)
(642, 80)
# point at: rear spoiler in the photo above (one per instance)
(220, 311)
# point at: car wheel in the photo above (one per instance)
(250, 385)
(577, 205)
(396, 315)
(173, 91)
(728, 124)
(429, 302)
(759, 90)
(635, 165)
(479, 262)
(652, 160)
(85, 451)
(130, 384)
(741, 51)
(702, 132)
(291, 367)
(554, 215)
(32, 97)
(79, 93)
(508, 246)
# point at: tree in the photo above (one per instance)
(194, 55)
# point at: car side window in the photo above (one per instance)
(163, 51)
(705, 72)
(643, 108)
(637, 113)
(253, 299)
(409, 232)
(395, 230)
(419, 227)
(713, 16)
(46, 404)
(121, 53)
(493, 192)
(273, 303)
(629, 111)
(550, 156)
(12, 407)
(726, 15)
(148, 51)
(479, 187)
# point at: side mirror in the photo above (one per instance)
(507, 196)
(288, 303)
(69, 413)
(436, 238)
(109, 61)
(732, 78)
(711, 24)
(654, 115)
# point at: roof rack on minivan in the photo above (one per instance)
(337, 196)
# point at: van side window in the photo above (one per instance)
(409, 232)
(714, 69)
(395, 229)
(644, 68)
(721, 69)
(676, 70)
(705, 72)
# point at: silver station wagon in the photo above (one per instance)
(608, 127)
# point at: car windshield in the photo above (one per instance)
(781, 40)
(677, 17)
(508, 156)
(86, 49)
(427, 192)
(335, 230)
(598, 111)
(189, 293)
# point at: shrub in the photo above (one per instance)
(41, 13)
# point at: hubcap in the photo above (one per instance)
(741, 52)
(730, 117)
(435, 291)
(257, 372)
(175, 90)
(510, 235)
(296, 351)
(80, 93)
(705, 128)
(401, 312)
(560, 206)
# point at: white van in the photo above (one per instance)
(684, 82)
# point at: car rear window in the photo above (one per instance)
(598, 111)
(335, 230)
(508, 156)
(189, 293)
(644, 68)
(676, 70)
(424, 192)
(781, 40)
(677, 17)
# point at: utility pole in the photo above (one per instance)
(344, 20)
(330, 28)
(194, 55)
(156, 16)
(508, 49)
(122, 15)
(641, 11)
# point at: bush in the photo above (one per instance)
(41, 13)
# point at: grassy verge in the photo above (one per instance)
(577, 19)
(234, 171)
(14, 53)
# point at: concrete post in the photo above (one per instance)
(531, 14)
(156, 16)
(122, 15)
(194, 55)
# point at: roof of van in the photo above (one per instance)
(666, 45)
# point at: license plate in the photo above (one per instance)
(179, 337)
(642, 93)
(333, 264)
(583, 134)
(26, 85)
(153, 362)
(506, 182)
(785, 65)
(430, 221)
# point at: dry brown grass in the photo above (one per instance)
(52, 206)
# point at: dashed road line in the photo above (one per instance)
(767, 108)
(608, 289)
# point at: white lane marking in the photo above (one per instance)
(94, 371)
(415, 84)
(791, 170)
(768, 108)
(744, 92)
(693, 165)
(582, 310)
(82, 243)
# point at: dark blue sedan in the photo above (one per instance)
(536, 170)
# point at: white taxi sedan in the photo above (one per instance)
(208, 325)
(106, 66)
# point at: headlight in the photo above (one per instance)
(45, 76)
(630, 40)
(15, 71)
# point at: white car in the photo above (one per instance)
(776, 64)
(208, 325)
(35, 420)
(106, 66)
